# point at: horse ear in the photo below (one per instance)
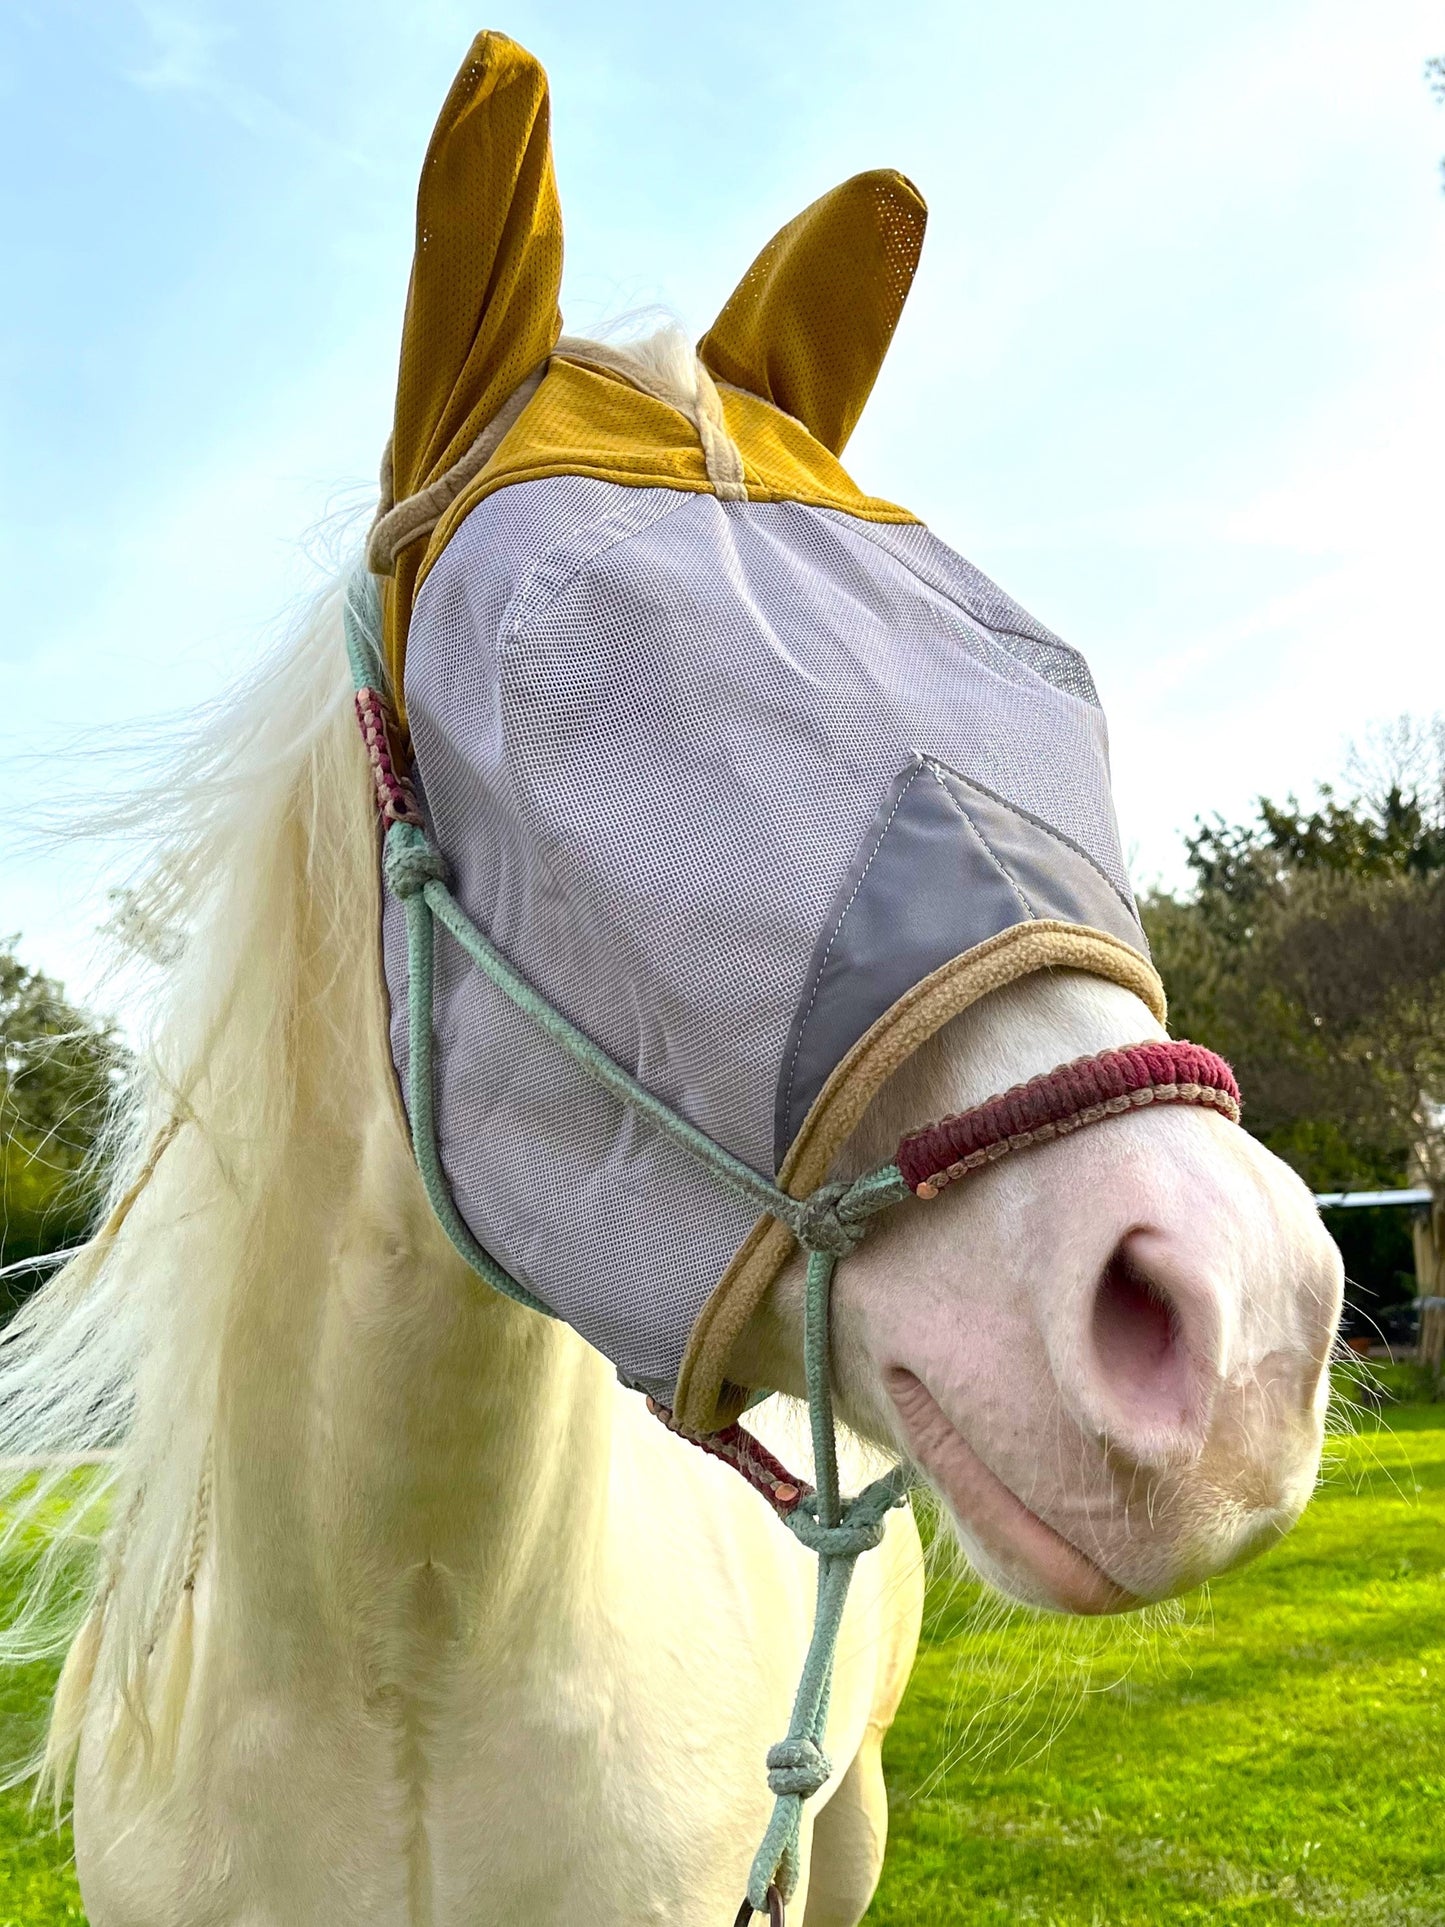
(808, 325)
(481, 312)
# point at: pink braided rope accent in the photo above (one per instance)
(394, 797)
(747, 1456)
(1062, 1101)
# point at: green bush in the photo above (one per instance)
(1373, 1383)
(58, 1072)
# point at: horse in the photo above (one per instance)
(408, 1611)
(405, 1609)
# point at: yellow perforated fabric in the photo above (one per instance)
(581, 422)
(810, 322)
(482, 310)
(796, 349)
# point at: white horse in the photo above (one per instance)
(406, 1613)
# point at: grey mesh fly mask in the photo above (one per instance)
(723, 781)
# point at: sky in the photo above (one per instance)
(1170, 371)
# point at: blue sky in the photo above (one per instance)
(1170, 371)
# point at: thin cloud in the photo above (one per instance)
(187, 57)
(181, 56)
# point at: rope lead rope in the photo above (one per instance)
(838, 1533)
(828, 1224)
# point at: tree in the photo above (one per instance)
(1311, 953)
(58, 1074)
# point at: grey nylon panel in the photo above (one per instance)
(944, 865)
(653, 729)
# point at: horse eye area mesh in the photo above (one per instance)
(667, 745)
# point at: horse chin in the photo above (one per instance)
(1009, 1546)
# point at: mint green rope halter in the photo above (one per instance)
(827, 1224)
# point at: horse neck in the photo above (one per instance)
(326, 1395)
(408, 1417)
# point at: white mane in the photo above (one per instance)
(249, 911)
(249, 905)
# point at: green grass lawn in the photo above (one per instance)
(1274, 1754)
(37, 1882)
(1277, 1755)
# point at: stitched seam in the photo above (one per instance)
(1038, 823)
(837, 927)
(989, 851)
(952, 592)
(518, 614)
(523, 610)
(517, 610)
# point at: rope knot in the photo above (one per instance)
(861, 1527)
(824, 1222)
(846, 1540)
(410, 862)
(797, 1766)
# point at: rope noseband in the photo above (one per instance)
(828, 1224)
(1062, 1101)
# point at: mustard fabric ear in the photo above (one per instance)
(809, 323)
(482, 311)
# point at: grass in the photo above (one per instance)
(37, 1880)
(1276, 1753)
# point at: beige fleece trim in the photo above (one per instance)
(399, 524)
(703, 1401)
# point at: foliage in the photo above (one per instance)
(1271, 1757)
(1242, 869)
(58, 1072)
(1375, 1385)
(1379, 1259)
(1312, 955)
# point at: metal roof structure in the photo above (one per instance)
(1344, 1200)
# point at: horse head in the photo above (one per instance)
(808, 826)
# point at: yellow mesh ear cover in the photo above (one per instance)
(808, 325)
(481, 311)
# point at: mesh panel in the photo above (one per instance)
(590, 1207)
(1013, 629)
(652, 728)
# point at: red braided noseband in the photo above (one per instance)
(1062, 1101)
(395, 798)
(745, 1454)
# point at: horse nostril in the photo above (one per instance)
(1139, 1350)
